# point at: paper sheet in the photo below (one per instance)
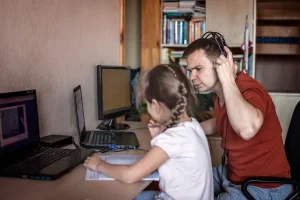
(119, 160)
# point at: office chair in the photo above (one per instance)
(292, 149)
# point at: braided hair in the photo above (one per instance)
(170, 86)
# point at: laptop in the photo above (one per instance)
(21, 154)
(104, 140)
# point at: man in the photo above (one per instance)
(246, 119)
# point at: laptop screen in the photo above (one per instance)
(79, 109)
(18, 120)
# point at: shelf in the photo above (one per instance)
(278, 14)
(174, 45)
(176, 10)
(277, 31)
(278, 49)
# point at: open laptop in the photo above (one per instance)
(111, 140)
(21, 154)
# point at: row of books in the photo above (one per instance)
(182, 30)
(192, 6)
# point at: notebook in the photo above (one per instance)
(119, 160)
(21, 154)
(110, 140)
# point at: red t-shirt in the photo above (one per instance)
(264, 154)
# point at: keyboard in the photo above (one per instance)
(99, 138)
(41, 159)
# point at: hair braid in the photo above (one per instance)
(180, 107)
(171, 70)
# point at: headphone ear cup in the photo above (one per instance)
(222, 44)
(224, 53)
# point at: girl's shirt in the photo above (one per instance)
(187, 174)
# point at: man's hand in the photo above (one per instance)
(155, 128)
(225, 67)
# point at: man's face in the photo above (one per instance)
(202, 72)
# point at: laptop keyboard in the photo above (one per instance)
(100, 138)
(39, 161)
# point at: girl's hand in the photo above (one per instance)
(93, 162)
(155, 128)
(226, 68)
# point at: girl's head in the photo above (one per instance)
(167, 93)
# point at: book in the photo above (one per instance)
(119, 160)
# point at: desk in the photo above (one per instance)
(215, 148)
(73, 185)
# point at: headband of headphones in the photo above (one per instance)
(219, 40)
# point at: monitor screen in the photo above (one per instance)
(79, 109)
(113, 91)
(18, 120)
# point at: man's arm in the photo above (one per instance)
(245, 119)
(209, 126)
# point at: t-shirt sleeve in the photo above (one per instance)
(256, 98)
(167, 142)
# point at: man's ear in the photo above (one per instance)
(155, 105)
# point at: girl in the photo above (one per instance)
(179, 146)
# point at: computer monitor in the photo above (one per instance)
(114, 95)
(19, 127)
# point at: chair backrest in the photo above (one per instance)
(292, 143)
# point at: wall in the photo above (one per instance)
(285, 104)
(133, 33)
(54, 45)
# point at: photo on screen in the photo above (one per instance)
(13, 125)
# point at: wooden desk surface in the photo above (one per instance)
(73, 185)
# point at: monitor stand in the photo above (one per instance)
(112, 125)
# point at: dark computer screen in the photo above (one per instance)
(79, 109)
(114, 92)
(18, 120)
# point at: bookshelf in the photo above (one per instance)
(278, 45)
(277, 64)
(172, 12)
(157, 15)
(182, 23)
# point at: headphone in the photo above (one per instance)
(219, 40)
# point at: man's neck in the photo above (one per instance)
(219, 92)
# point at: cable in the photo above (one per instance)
(78, 149)
(224, 155)
(76, 145)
